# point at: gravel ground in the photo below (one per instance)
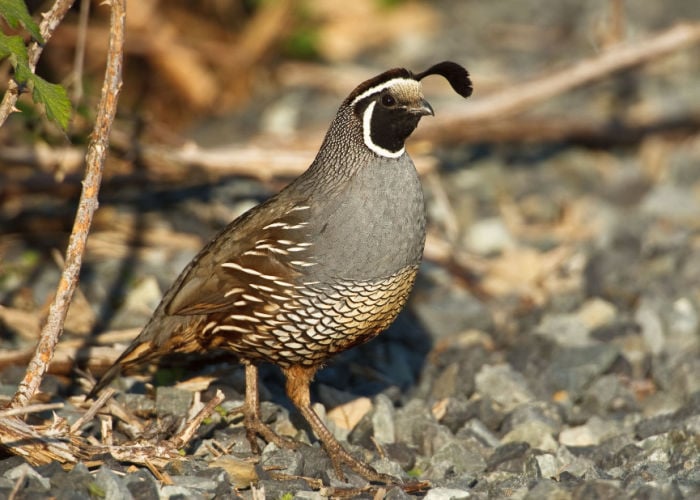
(556, 356)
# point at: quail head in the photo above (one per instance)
(324, 265)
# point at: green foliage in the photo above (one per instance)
(168, 376)
(302, 43)
(96, 491)
(54, 98)
(15, 13)
(388, 4)
(51, 95)
(414, 473)
(287, 496)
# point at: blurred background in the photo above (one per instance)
(590, 196)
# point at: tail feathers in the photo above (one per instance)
(104, 381)
(136, 354)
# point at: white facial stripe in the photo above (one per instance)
(366, 129)
(381, 87)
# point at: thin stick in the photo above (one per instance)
(94, 408)
(95, 158)
(13, 412)
(51, 19)
(520, 97)
(17, 486)
(183, 437)
(79, 60)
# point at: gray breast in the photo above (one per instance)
(374, 226)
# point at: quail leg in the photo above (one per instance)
(298, 379)
(251, 415)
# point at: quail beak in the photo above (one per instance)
(422, 108)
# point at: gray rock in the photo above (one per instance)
(672, 202)
(488, 236)
(568, 330)
(476, 429)
(142, 485)
(309, 495)
(383, 420)
(402, 454)
(590, 434)
(503, 385)
(683, 322)
(410, 422)
(546, 412)
(455, 460)
(284, 461)
(608, 395)
(27, 471)
(75, 484)
(447, 311)
(446, 494)
(172, 491)
(396, 493)
(603, 490)
(141, 301)
(173, 401)
(456, 368)
(114, 487)
(548, 465)
(651, 327)
(195, 483)
(613, 273)
(11, 462)
(664, 491)
(535, 433)
(574, 368)
(577, 467)
(433, 437)
(387, 466)
(315, 460)
(505, 453)
(546, 489)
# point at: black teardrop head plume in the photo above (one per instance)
(453, 73)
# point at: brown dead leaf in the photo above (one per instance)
(348, 415)
(439, 409)
(196, 384)
(241, 472)
(531, 274)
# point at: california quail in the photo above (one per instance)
(324, 265)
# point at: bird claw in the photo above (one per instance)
(255, 427)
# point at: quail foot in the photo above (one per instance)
(323, 266)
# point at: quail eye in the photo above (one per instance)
(388, 100)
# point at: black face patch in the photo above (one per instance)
(390, 124)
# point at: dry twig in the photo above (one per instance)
(51, 19)
(40, 444)
(79, 59)
(518, 98)
(183, 437)
(92, 411)
(13, 412)
(97, 151)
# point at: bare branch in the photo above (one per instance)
(51, 20)
(96, 154)
(518, 98)
(183, 437)
(88, 415)
(13, 412)
(39, 445)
